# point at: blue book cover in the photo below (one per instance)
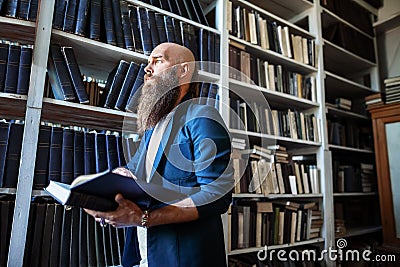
(126, 89)
(24, 70)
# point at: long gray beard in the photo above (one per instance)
(157, 99)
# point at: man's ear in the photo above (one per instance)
(183, 70)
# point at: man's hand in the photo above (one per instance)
(124, 171)
(127, 213)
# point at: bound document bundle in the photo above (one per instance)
(97, 192)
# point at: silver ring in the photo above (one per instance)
(103, 222)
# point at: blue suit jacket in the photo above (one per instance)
(194, 154)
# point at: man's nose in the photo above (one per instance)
(148, 69)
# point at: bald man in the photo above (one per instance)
(185, 146)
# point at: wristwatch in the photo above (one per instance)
(145, 219)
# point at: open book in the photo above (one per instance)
(97, 192)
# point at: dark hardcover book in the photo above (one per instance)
(155, 39)
(55, 154)
(75, 238)
(182, 8)
(169, 29)
(126, 27)
(95, 18)
(59, 11)
(114, 248)
(33, 10)
(199, 12)
(6, 210)
(126, 88)
(161, 30)
(97, 192)
(23, 9)
(178, 31)
(205, 87)
(56, 235)
(3, 64)
(119, 34)
(13, 156)
(212, 95)
(67, 154)
(106, 89)
(11, 9)
(193, 42)
(42, 158)
(185, 34)
(217, 55)
(58, 75)
(134, 95)
(121, 157)
(65, 241)
(109, 22)
(4, 138)
(211, 52)
(30, 232)
(99, 245)
(155, 3)
(116, 84)
(173, 5)
(48, 230)
(145, 31)
(112, 151)
(83, 238)
(69, 16)
(107, 246)
(24, 70)
(165, 5)
(37, 242)
(91, 241)
(79, 162)
(133, 18)
(75, 73)
(121, 240)
(82, 17)
(11, 79)
(203, 49)
(101, 152)
(89, 152)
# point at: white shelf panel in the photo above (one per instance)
(12, 106)
(352, 149)
(159, 10)
(329, 18)
(8, 191)
(274, 57)
(301, 243)
(276, 196)
(274, 98)
(287, 9)
(76, 114)
(339, 60)
(95, 59)
(17, 30)
(293, 28)
(336, 85)
(356, 231)
(348, 114)
(355, 194)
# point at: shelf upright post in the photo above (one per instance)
(31, 133)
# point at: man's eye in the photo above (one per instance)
(158, 61)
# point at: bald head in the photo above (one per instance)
(174, 52)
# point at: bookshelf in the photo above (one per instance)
(337, 72)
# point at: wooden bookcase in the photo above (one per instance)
(303, 17)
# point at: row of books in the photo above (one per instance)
(256, 224)
(274, 173)
(259, 30)
(7, 204)
(392, 90)
(60, 237)
(350, 134)
(20, 9)
(15, 67)
(354, 178)
(268, 75)
(63, 153)
(357, 212)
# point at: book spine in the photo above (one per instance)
(199, 10)
(203, 51)
(162, 32)
(116, 85)
(155, 39)
(217, 55)
(169, 29)
(119, 34)
(109, 22)
(56, 235)
(4, 139)
(79, 164)
(112, 151)
(89, 153)
(121, 157)
(59, 11)
(178, 32)
(83, 238)
(101, 152)
(67, 153)
(95, 17)
(193, 42)
(23, 9)
(144, 29)
(14, 54)
(130, 105)
(55, 154)
(127, 86)
(42, 158)
(33, 10)
(75, 73)
(173, 6)
(211, 52)
(13, 155)
(81, 17)
(185, 34)
(24, 71)
(46, 241)
(126, 27)
(165, 5)
(65, 240)
(133, 18)
(3, 64)
(59, 76)
(11, 9)
(182, 9)
(69, 16)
